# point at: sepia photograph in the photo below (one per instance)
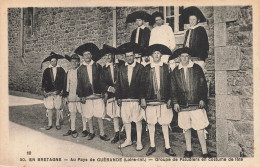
(117, 84)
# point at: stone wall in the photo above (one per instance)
(14, 45)
(59, 30)
(234, 81)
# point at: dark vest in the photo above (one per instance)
(107, 78)
(48, 82)
(84, 87)
(135, 90)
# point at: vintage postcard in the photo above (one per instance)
(127, 83)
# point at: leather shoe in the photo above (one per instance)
(169, 151)
(116, 138)
(85, 133)
(68, 133)
(48, 127)
(104, 137)
(58, 127)
(207, 155)
(125, 144)
(91, 136)
(188, 154)
(150, 151)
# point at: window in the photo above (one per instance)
(29, 21)
(172, 17)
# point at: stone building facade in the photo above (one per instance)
(34, 32)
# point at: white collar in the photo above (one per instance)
(142, 27)
(194, 26)
(145, 63)
(91, 62)
(131, 65)
(156, 64)
(50, 66)
(188, 66)
(74, 69)
(109, 64)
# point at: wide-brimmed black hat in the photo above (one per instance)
(164, 50)
(107, 49)
(91, 47)
(154, 15)
(179, 51)
(52, 55)
(130, 47)
(190, 11)
(74, 56)
(138, 15)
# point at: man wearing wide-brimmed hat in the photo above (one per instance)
(189, 95)
(129, 91)
(71, 97)
(196, 37)
(162, 34)
(52, 86)
(89, 88)
(157, 102)
(109, 79)
(141, 35)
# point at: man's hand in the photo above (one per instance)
(83, 100)
(119, 102)
(168, 105)
(201, 104)
(61, 93)
(143, 104)
(177, 108)
(111, 89)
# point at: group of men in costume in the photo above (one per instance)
(132, 90)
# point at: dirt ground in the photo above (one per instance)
(33, 116)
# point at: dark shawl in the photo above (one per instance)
(198, 43)
(144, 36)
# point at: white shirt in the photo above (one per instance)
(89, 69)
(163, 35)
(137, 33)
(130, 68)
(54, 70)
(157, 71)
